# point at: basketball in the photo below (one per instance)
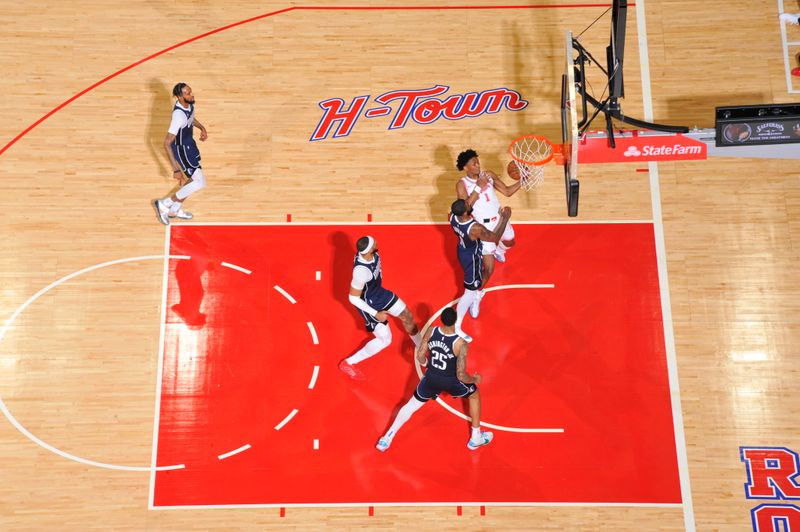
(513, 171)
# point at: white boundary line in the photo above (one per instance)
(285, 294)
(351, 223)
(663, 282)
(314, 376)
(453, 503)
(785, 45)
(313, 332)
(235, 451)
(17, 425)
(235, 267)
(287, 419)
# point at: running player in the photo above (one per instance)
(477, 188)
(376, 304)
(472, 236)
(447, 372)
(183, 155)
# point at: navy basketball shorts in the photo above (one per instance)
(432, 385)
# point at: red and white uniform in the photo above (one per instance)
(486, 210)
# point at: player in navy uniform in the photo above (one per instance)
(471, 235)
(183, 155)
(447, 372)
(376, 304)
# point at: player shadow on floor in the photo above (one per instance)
(188, 275)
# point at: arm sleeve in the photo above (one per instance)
(360, 278)
(179, 121)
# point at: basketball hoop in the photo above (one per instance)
(530, 154)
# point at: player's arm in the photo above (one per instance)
(360, 277)
(477, 231)
(461, 364)
(422, 348)
(461, 192)
(177, 173)
(202, 128)
(502, 188)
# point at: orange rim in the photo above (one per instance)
(541, 162)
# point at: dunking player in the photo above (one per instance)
(477, 188)
(447, 372)
(472, 236)
(183, 155)
(376, 304)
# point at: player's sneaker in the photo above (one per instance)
(161, 211)
(383, 444)
(486, 438)
(791, 18)
(475, 307)
(183, 215)
(467, 338)
(499, 256)
(351, 371)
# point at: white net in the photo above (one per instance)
(530, 154)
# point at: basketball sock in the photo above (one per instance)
(476, 434)
(403, 415)
(175, 207)
(167, 202)
(502, 247)
(383, 337)
(416, 338)
(463, 306)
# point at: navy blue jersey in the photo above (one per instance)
(184, 147)
(374, 293)
(443, 357)
(442, 370)
(470, 253)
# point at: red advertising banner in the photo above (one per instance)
(639, 146)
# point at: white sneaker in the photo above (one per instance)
(486, 438)
(183, 215)
(383, 444)
(467, 338)
(475, 308)
(162, 212)
(791, 18)
(500, 256)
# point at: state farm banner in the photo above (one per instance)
(639, 146)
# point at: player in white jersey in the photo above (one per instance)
(477, 188)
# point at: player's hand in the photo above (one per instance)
(505, 212)
(178, 175)
(203, 135)
(382, 315)
(422, 362)
(477, 378)
(483, 181)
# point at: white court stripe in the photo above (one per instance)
(313, 333)
(313, 378)
(285, 294)
(235, 451)
(287, 419)
(235, 267)
(663, 284)
(7, 327)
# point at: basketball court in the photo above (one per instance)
(183, 377)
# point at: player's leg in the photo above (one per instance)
(464, 304)
(422, 395)
(506, 241)
(400, 310)
(383, 337)
(478, 438)
(197, 182)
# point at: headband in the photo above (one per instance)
(370, 245)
